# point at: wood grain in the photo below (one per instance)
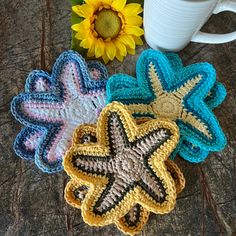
(32, 34)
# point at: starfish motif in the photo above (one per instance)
(177, 95)
(28, 140)
(125, 166)
(134, 221)
(54, 105)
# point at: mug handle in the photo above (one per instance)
(201, 37)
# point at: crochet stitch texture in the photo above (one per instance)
(52, 107)
(134, 221)
(215, 97)
(125, 167)
(177, 94)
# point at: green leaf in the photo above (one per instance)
(75, 44)
(75, 19)
(136, 1)
(76, 2)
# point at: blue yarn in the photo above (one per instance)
(53, 93)
(140, 91)
(19, 143)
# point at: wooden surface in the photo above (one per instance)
(32, 34)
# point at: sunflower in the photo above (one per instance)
(110, 29)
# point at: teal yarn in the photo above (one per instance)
(216, 96)
(202, 98)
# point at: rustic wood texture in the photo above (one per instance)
(32, 34)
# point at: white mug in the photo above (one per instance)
(170, 25)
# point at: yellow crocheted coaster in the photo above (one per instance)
(135, 220)
(125, 167)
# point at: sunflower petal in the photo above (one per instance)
(86, 43)
(110, 50)
(134, 20)
(131, 51)
(94, 3)
(91, 51)
(127, 40)
(119, 56)
(84, 25)
(134, 30)
(99, 48)
(132, 9)
(82, 29)
(121, 48)
(138, 40)
(118, 5)
(84, 10)
(105, 58)
(106, 2)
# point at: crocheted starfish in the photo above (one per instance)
(134, 221)
(159, 91)
(125, 166)
(54, 105)
(215, 97)
(27, 141)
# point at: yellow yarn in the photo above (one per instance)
(170, 104)
(97, 183)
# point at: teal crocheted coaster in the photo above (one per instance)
(184, 94)
(215, 97)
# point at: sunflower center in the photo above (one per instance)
(107, 24)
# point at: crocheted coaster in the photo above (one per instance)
(53, 106)
(180, 95)
(134, 221)
(215, 97)
(27, 141)
(125, 167)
